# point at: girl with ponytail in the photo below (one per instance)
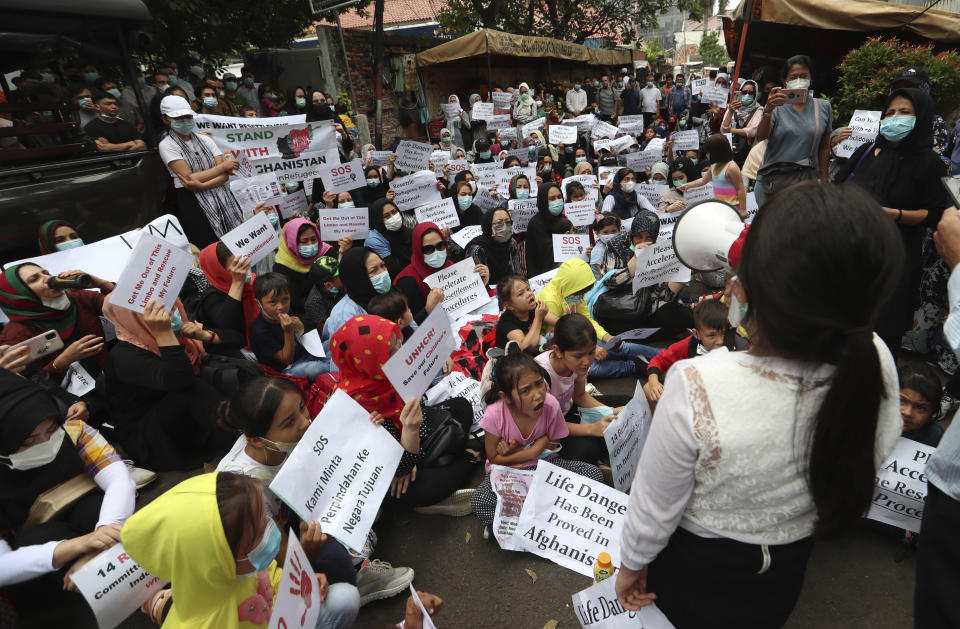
(752, 454)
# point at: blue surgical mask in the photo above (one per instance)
(85, 102)
(210, 102)
(373, 183)
(183, 127)
(69, 244)
(572, 299)
(291, 186)
(333, 290)
(301, 102)
(679, 182)
(576, 86)
(523, 193)
(747, 99)
(114, 92)
(308, 251)
(90, 77)
(176, 321)
(595, 414)
(231, 86)
(446, 139)
(106, 116)
(264, 552)
(381, 282)
(273, 217)
(555, 207)
(142, 80)
(173, 79)
(896, 128)
(436, 259)
(248, 81)
(581, 159)
(547, 168)
(347, 204)
(485, 155)
(465, 202)
(47, 77)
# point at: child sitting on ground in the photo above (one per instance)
(711, 331)
(273, 334)
(920, 394)
(522, 314)
(392, 306)
(605, 229)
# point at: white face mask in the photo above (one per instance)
(798, 84)
(38, 455)
(628, 186)
(393, 223)
(60, 303)
(737, 311)
(278, 446)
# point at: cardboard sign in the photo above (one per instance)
(455, 166)
(902, 486)
(597, 607)
(294, 203)
(603, 129)
(78, 380)
(287, 141)
(255, 238)
(625, 438)
(500, 121)
(667, 223)
(155, 270)
(521, 211)
(340, 471)
(298, 596)
(566, 246)
(481, 111)
(380, 158)
(414, 190)
(864, 127)
(306, 167)
(343, 177)
(589, 183)
(442, 212)
(685, 141)
(562, 134)
(425, 620)
(501, 100)
(413, 156)
(463, 236)
(337, 222)
(114, 585)
(570, 519)
(411, 369)
(258, 189)
(659, 263)
(700, 193)
(511, 487)
(652, 192)
(580, 212)
(463, 290)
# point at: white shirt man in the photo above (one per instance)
(649, 97)
(576, 100)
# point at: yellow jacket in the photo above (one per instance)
(573, 276)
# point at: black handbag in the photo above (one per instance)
(446, 439)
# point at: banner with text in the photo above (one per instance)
(305, 167)
(411, 369)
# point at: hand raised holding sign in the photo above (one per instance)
(157, 321)
(312, 538)
(434, 298)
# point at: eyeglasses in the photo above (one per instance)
(501, 223)
(440, 246)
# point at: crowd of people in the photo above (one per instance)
(779, 384)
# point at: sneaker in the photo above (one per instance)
(378, 579)
(456, 504)
(141, 477)
(364, 555)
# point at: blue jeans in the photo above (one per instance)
(341, 607)
(309, 367)
(620, 362)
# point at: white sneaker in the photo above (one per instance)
(141, 477)
(456, 504)
(378, 580)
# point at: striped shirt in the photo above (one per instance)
(92, 447)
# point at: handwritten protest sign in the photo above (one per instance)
(700, 193)
(752, 207)
(486, 173)
(293, 203)
(589, 183)
(455, 384)
(522, 210)
(462, 288)
(114, 585)
(864, 127)
(625, 438)
(537, 282)
(486, 200)
(566, 246)
(451, 111)
(651, 192)
(305, 167)
(413, 156)
(501, 100)
(414, 190)
(343, 177)
(584, 122)
(597, 607)
(685, 141)
(411, 369)
(522, 154)
(715, 95)
(441, 212)
(463, 236)
(455, 166)
(298, 598)
(570, 519)
(380, 158)
(656, 144)
(534, 125)
(337, 222)
(507, 134)
(245, 168)
(667, 223)
(505, 175)
(659, 263)
(580, 212)
(340, 471)
(439, 159)
(901, 486)
(511, 486)
(287, 141)
(622, 143)
(155, 270)
(602, 144)
(481, 111)
(255, 238)
(561, 133)
(633, 129)
(603, 130)
(258, 189)
(630, 120)
(500, 121)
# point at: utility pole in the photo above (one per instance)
(378, 71)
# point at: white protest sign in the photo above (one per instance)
(566, 246)
(305, 168)
(901, 486)
(455, 384)
(752, 207)
(338, 222)
(456, 166)
(659, 263)
(439, 159)
(562, 134)
(523, 154)
(685, 141)
(507, 134)
(504, 175)
(485, 200)
(700, 193)
(463, 236)
(413, 156)
(340, 471)
(380, 158)
(511, 486)
(602, 144)
(258, 189)
(589, 183)
(277, 141)
(155, 270)
(630, 120)
(697, 86)
(412, 368)
(652, 193)
(625, 438)
(537, 282)
(605, 173)
(343, 177)
(246, 168)
(603, 130)
(667, 223)
(501, 100)
(534, 125)
(580, 212)
(864, 127)
(521, 211)
(715, 95)
(441, 212)
(570, 519)
(451, 111)
(584, 122)
(481, 111)
(426, 621)
(114, 585)
(633, 128)
(298, 597)
(312, 343)
(729, 137)
(209, 122)
(78, 380)
(597, 607)
(622, 143)
(656, 144)
(500, 121)
(486, 173)
(413, 190)
(294, 203)
(463, 290)
(255, 238)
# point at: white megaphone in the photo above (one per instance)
(703, 235)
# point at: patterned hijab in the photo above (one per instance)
(20, 303)
(45, 238)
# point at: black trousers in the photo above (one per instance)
(938, 563)
(193, 220)
(718, 582)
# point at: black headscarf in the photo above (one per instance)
(23, 406)
(921, 137)
(684, 164)
(644, 222)
(379, 191)
(498, 254)
(353, 274)
(539, 241)
(401, 247)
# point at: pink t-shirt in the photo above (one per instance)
(560, 386)
(497, 420)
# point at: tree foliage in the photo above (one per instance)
(712, 52)
(570, 20)
(699, 9)
(656, 54)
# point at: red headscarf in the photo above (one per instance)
(221, 279)
(418, 269)
(359, 349)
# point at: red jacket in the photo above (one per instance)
(659, 364)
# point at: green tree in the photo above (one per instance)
(656, 53)
(712, 52)
(699, 9)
